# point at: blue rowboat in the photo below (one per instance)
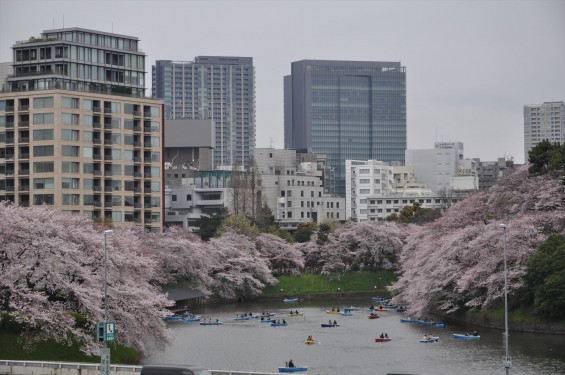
(324, 325)
(346, 314)
(189, 320)
(268, 321)
(293, 369)
(210, 323)
(440, 325)
(378, 299)
(279, 324)
(465, 336)
(390, 307)
(173, 318)
(401, 309)
(242, 318)
(291, 300)
(424, 323)
(352, 308)
(266, 315)
(431, 339)
(409, 321)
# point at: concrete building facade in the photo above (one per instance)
(443, 168)
(294, 190)
(352, 110)
(543, 121)
(218, 88)
(78, 145)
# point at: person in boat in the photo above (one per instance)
(382, 336)
(262, 318)
(330, 321)
(475, 333)
(310, 338)
(284, 321)
(279, 321)
(291, 312)
(217, 320)
(372, 307)
(291, 363)
(386, 336)
(338, 309)
(333, 308)
(296, 312)
(335, 323)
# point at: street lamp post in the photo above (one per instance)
(105, 356)
(507, 361)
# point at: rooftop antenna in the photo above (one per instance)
(112, 27)
(63, 20)
(271, 142)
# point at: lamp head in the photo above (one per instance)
(503, 226)
(108, 231)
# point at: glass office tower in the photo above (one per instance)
(346, 110)
(213, 87)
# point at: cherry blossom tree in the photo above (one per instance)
(283, 257)
(456, 262)
(236, 266)
(52, 267)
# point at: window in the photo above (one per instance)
(70, 183)
(87, 120)
(365, 181)
(364, 171)
(43, 167)
(69, 118)
(87, 152)
(73, 151)
(377, 181)
(67, 102)
(70, 135)
(40, 151)
(87, 184)
(70, 167)
(45, 102)
(116, 216)
(43, 135)
(86, 136)
(43, 118)
(87, 104)
(39, 199)
(174, 198)
(156, 186)
(43, 183)
(189, 197)
(364, 191)
(71, 199)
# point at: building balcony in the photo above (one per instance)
(23, 172)
(23, 107)
(23, 140)
(23, 124)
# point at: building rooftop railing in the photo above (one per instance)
(104, 92)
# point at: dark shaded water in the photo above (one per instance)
(350, 348)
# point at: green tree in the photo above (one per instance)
(240, 224)
(304, 232)
(545, 277)
(208, 225)
(547, 157)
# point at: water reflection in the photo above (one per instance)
(350, 348)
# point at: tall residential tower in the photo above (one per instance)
(213, 87)
(543, 121)
(76, 131)
(346, 110)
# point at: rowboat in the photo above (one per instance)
(293, 369)
(379, 339)
(266, 315)
(431, 339)
(242, 318)
(333, 312)
(291, 300)
(295, 315)
(279, 324)
(408, 321)
(267, 321)
(352, 308)
(189, 320)
(346, 314)
(465, 336)
(440, 325)
(378, 298)
(210, 323)
(309, 342)
(173, 318)
(390, 307)
(401, 309)
(329, 325)
(373, 316)
(424, 323)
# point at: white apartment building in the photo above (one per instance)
(294, 191)
(543, 121)
(443, 168)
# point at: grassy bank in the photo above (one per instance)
(349, 282)
(11, 348)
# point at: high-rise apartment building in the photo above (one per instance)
(213, 87)
(76, 131)
(346, 110)
(543, 121)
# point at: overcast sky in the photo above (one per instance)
(471, 65)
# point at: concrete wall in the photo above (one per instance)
(8, 367)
